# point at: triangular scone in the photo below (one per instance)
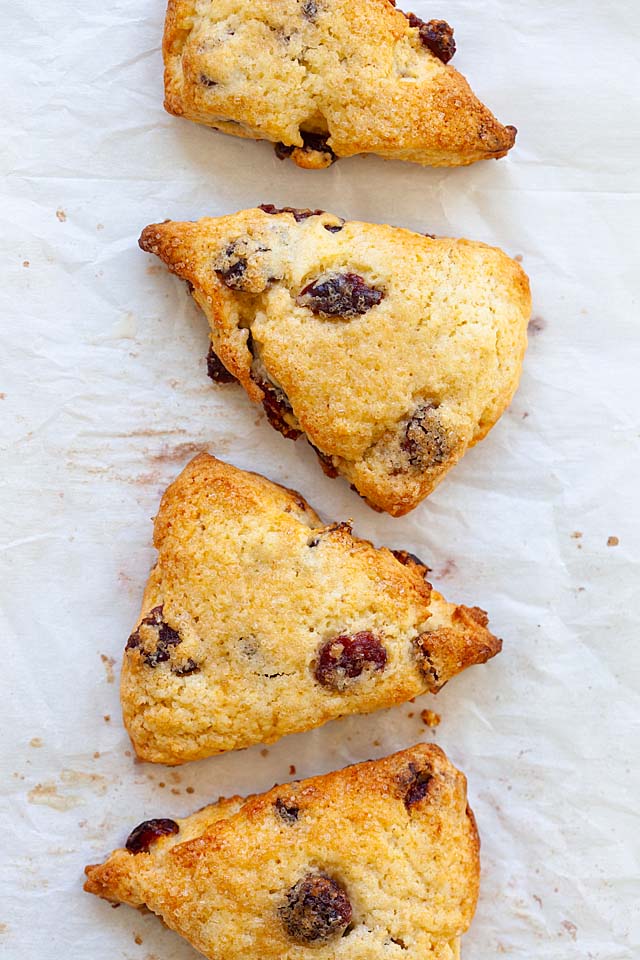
(325, 79)
(379, 860)
(259, 621)
(391, 351)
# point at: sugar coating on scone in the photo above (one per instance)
(393, 352)
(259, 621)
(324, 79)
(379, 860)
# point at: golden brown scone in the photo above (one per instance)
(380, 860)
(391, 351)
(324, 79)
(259, 621)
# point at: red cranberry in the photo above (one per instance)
(436, 35)
(287, 810)
(217, 370)
(146, 833)
(166, 637)
(416, 785)
(317, 910)
(346, 657)
(298, 214)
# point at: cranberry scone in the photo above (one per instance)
(324, 79)
(392, 352)
(379, 860)
(258, 621)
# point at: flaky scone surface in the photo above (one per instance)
(392, 351)
(387, 853)
(259, 621)
(326, 79)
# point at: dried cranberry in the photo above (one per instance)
(403, 556)
(339, 295)
(317, 909)
(297, 214)
(346, 657)
(166, 637)
(146, 833)
(276, 405)
(217, 370)
(207, 81)
(326, 463)
(233, 275)
(415, 785)
(311, 143)
(424, 439)
(436, 35)
(186, 669)
(333, 227)
(287, 810)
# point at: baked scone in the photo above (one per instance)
(324, 79)
(391, 351)
(258, 621)
(379, 860)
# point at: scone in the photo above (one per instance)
(258, 621)
(392, 352)
(324, 79)
(379, 860)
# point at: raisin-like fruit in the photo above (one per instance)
(146, 833)
(166, 637)
(276, 405)
(317, 909)
(425, 441)
(233, 275)
(339, 295)
(217, 370)
(311, 143)
(287, 810)
(207, 81)
(436, 35)
(186, 669)
(298, 214)
(347, 657)
(415, 785)
(333, 227)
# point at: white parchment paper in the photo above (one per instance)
(104, 398)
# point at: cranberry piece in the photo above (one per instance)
(276, 404)
(287, 810)
(146, 833)
(317, 910)
(333, 227)
(346, 657)
(216, 370)
(424, 440)
(186, 669)
(311, 143)
(166, 637)
(339, 295)
(298, 214)
(233, 275)
(207, 81)
(416, 785)
(436, 35)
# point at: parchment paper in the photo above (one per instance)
(105, 398)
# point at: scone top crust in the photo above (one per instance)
(392, 351)
(259, 621)
(326, 79)
(386, 852)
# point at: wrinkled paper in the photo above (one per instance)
(104, 398)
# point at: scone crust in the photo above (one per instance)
(446, 339)
(355, 74)
(248, 590)
(396, 834)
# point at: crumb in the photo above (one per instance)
(96, 755)
(35, 742)
(61, 215)
(25, 263)
(518, 258)
(114, 906)
(376, 743)
(175, 791)
(109, 663)
(411, 714)
(292, 770)
(264, 752)
(127, 753)
(107, 718)
(190, 790)
(413, 700)
(570, 927)
(137, 939)
(525, 415)
(162, 784)
(429, 718)
(613, 541)
(576, 535)
(3, 396)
